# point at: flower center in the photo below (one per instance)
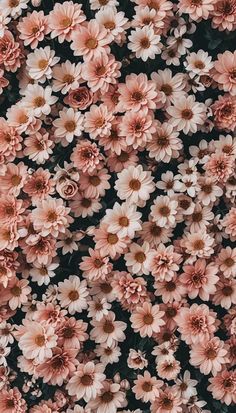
(123, 221)
(68, 79)
(86, 203)
(86, 380)
(207, 188)
(110, 25)
(65, 22)
(98, 263)
(147, 386)
(198, 244)
(140, 257)
(148, 319)
(135, 184)
(70, 126)
(227, 290)
(167, 403)
(211, 353)
(197, 217)
(170, 286)
(137, 96)
(40, 340)
(112, 239)
(73, 295)
(199, 64)
(16, 180)
(145, 43)
(164, 211)
(123, 157)
(162, 141)
(42, 64)
(167, 89)
(39, 101)
(14, 3)
(229, 262)
(108, 327)
(107, 397)
(52, 216)
(187, 114)
(16, 291)
(94, 180)
(100, 70)
(91, 43)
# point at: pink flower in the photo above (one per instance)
(108, 331)
(224, 112)
(97, 121)
(39, 185)
(33, 28)
(64, 19)
(101, 72)
(145, 43)
(10, 52)
(196, 323)
(95, 266)
(164, 143)
(130, 291)
(10, 141)
(196, 10)
(223, 387)
(168, 401)
(224, 15)
(80, 98)
(146, 387)
(86, 156)
(137, 92)
(165, 262)
(17, 293)
(90, 40)
(11, 401)
(229, 222)
(147, 319)
(186, 114)
(137, 128)
(227, 261)
(72, 294)
(86, 381)
(209, 356)
(225, 70)
(51, 217)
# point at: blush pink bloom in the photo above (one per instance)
(86, 381)
(200, 279)
(146, 387)
(131, 292)
(95, 184)
(90, 40)
(164, 143)
(95, 266)
(39, 185)
(225, 72)
(209, 356)
(11, 401)
(66, 77)
(17, 293)
(14, 178)
(101, 72)
(165, 262)
(197, 10)
(147, 319)
(64, 19)
(33, 28)
(51, 217)
(219, 166)
(223, 16)
(168, 401)
(229, 223)
(108, 243)
(10, 52)
(227, 261)
(72, 294)
(10, 141)
(186, 114)
(80, 98)
(108, 331)
(196, 323)
(38, 146)
(144, 42)
(137, 128)
(224, 112)
(86, 156)
(97, 121)
(40, 249)
(223, 387)
(137, 92)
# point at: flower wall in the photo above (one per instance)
(117, 206)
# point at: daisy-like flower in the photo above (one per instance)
(186, 114)
(223, 386)
(40, 62)
(42, 274)
(95, 266)
(209, 356)
(97, 121)
(90, 40)
(68, 125)
(101, 72)
(66, 77)
(200, 279)
(64, 19)
(33, 28)
(37, 341)
(136, 360)
(223, 15)
(137, 92)
(185, 386)
(134, 185)
(198, 63)
(163, 211)
(109, 399)
(168, 368)
(168, 401)
(114, 22)
(147, 319)
(11, 400)
(171, 87)
(146, 387)
(225, 294)
(196, 324)
(86, 156)
(144, 43)
(165, 262)
(227, 261)
(39, 100)
(17, 293)
(137, 128)
(131, 292)
(229, 223)
(72, 294)
(108, 331)
(123, 219)
(198, 244)
(14, 8)
(138, 259)
(86, 381)
(98, 308)
(197, 10)
(38, 147)
(69, 241)
(51, 217)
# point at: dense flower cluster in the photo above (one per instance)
(117, 206)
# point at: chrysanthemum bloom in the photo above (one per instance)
(86, 381)
(10, 52)
(219, 167)
(20, 119)
(72, 333)
(145, 43)
(108, 243)
(185, 386)
(8, 266)
(43, 273)
(11, 401)
(154, 234)
(108, 331)
(198, 245)
(114, 22)
(56, 369)
(37, 341)
(39, 100)
(165, 262)
(209, 356)
(86, 156)
(197, 9)
(95, 266)
(146, 387)
(200, 279)
(64, 19)
(135, 185)
(72, 294)
(38, 146)
(223, 387)
(40, 249)
(209, 191)
(13, 179)
(109, 399)
(196, 323)
(3, 81)
(227, 261)
(68, 125)
(229, 223)
(186, 114)
(147, 319)
(101, 72)
(223, 16)
(136, 360)
(137, 92)
(225, 72)
(10, 209)
(16, 293)
(163, 211)
(168, 401)
(39, 185)
(40, 62)
(171, 290)
(80, 98)
(90, 40)
(130, 291)
(33, 28)
(225, 294)
(164, 144)
(224, 112)
(66, 77)
(95, 184)
(10, 141)
(123, 219)
(137, 128)
(51, 217)
(170, 86)
(168, 368)
(84, 206)
(97, 121)
(138, 258)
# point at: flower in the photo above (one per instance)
(39, 100)
(107, 330)
(167, 401)
(39, 63)
(123, 219)
(72, 294)
(147, 319)
(146, 387)
(68, 125)
(209, 356)
(101, 72)
(33, 28)
(86, 381)
(225, 69)
(110, 399)
(223, 386)
(11, 401)
(145, 43)
(186, 114)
